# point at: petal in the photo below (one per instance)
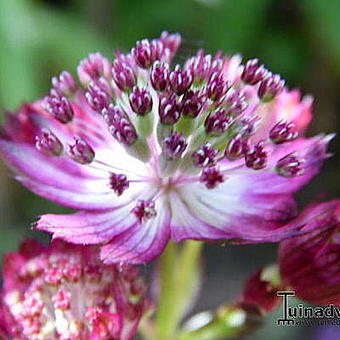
(88, 201)
(88, 227)
(143, 241)
(247, 207)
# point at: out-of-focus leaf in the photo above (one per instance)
(33, 39)
(18, 39)
(323, 18)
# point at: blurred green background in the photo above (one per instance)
(298, 38)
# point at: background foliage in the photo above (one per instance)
(299, 39)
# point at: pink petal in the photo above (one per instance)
(142, 242)
(88, 227)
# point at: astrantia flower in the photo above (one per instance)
(147, 151)
(309, 263)
(261, 288)
(65, 292)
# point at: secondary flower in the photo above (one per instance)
(261, 288)
(210, 150)
(310, 263)
(65, 292)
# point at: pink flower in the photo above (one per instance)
(212, 150)
(66, 292)
(309, 263)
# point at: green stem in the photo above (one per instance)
(178, 276)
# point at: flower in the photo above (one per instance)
(261, 288)
(309, 263)
(66, 292)
(147, 152)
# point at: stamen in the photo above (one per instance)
(247, 126)
(144, 210)
(123, 74)
(171, 41)
(92, 68)
(64, 84)
(217, 122)
(81, 151)
(174, 145)
(98, 96)
(203, 66)
(147, 52)
(205, 156)
(169, 110)
(62, 299)
(211, 177)
(270, 87)
(192, 103)
(253, 72)
(140, 101)
(235, 100)
(48, 143)
(256, 158)
(236, 148)
(180, 80)
(217, 87)
(290, 166)
(119, 125)
(282, 132)
(118, 183)
(58, 106)
(159, 76)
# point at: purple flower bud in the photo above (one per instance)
(256, 158)
(247, 126)
(270, 87)
(64, 84)
(216, 87)
(118, 183)
(235, 100)
(169, 110)
(159, 76)
(174, 145)
(58, 106)
(192, 103)
(180, 80)
(81, 151)
(260, 291)
(253, 72)
(48, 143)
(147, 52)
(119, 125)
(236, 148)
(123, 74)
(217, 122)
(92, 68)
(144, 210)
(171, 42)
(290, 166)
(140, 101)
(97, 96)
(203, 66)
(211, 177)
(205, 156)
(282, 132)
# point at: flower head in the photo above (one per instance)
(210, 150)
(65, 292)
(309, 263)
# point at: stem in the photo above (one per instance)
(178, 276)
